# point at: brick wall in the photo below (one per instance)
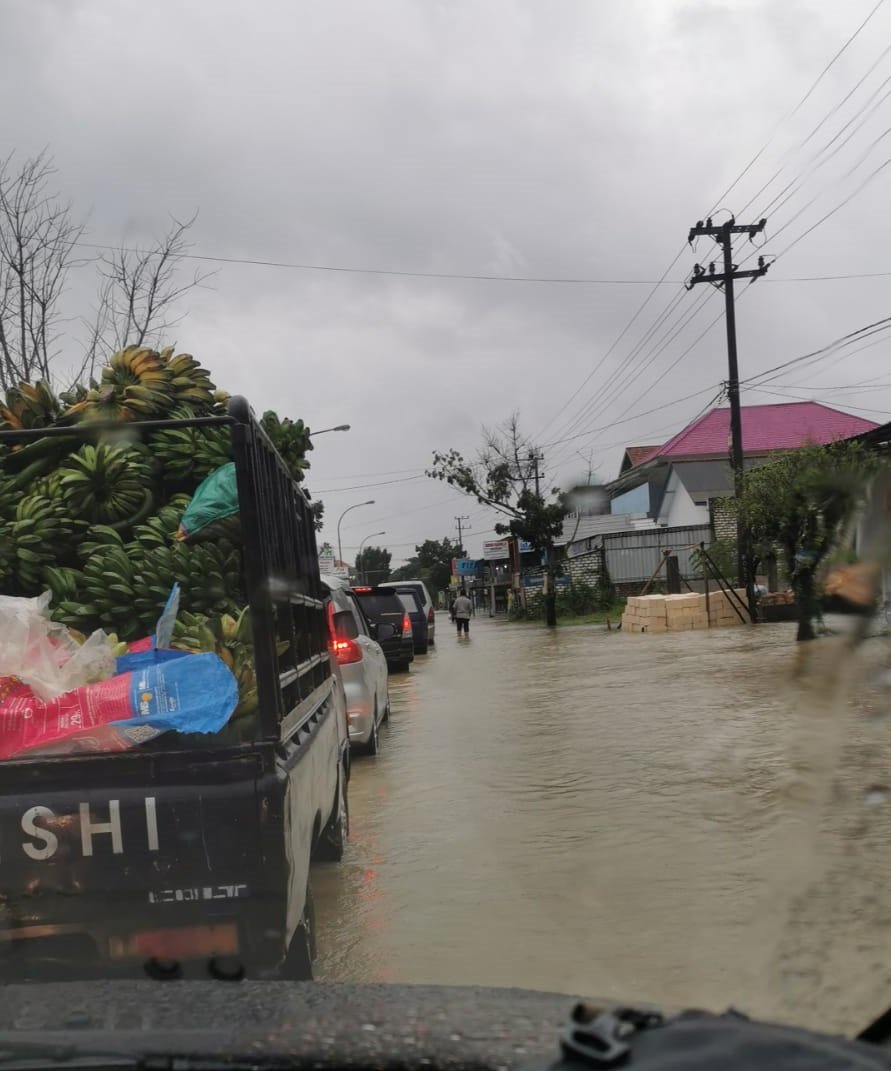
(586, 567)
(723, 518)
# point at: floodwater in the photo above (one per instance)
(687, 819)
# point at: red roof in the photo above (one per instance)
(765, 428)
(636, 454)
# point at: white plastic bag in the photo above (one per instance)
(43, 654)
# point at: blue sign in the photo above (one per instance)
(525, 546)
(467, 567)
(538, 581)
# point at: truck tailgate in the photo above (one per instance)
(112, 846)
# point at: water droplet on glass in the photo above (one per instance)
(875, 795)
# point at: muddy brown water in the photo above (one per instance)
(690, 819)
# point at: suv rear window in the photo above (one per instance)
(377, 605)
(409, 600)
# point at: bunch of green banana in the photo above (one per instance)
(231, 639)
(64, 582)
(30, 405)
(190, 454)
(135, 385)
(154, 576)
(292, 440)
(8, 562)
(211, 577)
(107, 484)
(40, 534)
(109, 587)
(159, 530)
(190, 382)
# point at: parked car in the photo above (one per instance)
(382, 606)
(423, 617)
(363, 666)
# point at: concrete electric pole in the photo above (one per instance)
(723, 235)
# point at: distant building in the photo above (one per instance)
(667, 498)
(675, 483)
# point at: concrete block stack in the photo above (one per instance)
(685, 612)
(644, 613)
(680, 613)
(721, 612)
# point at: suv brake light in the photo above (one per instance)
(406, 623)
(346, 651)
(361, 587)
(430, 616)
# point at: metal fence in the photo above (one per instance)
(633, 556)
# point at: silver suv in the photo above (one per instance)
(363, 666)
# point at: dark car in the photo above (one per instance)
(382, 606)
(414, 607)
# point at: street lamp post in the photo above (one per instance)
(339, 427)
(370, 502)
(359, 555)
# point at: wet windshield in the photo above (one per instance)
(575, 314)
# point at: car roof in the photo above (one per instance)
(404, 584)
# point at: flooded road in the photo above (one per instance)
(670, 818)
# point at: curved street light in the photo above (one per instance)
(370, 502)
(359, 555)
(339, 427)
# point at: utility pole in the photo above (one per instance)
(534, 459)
(723, 235)
(459, 522)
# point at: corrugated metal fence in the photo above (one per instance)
(632, 556)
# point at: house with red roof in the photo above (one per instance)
(675, 483)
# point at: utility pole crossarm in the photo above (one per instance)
(707, 229)
(700, 275)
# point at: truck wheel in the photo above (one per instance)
(386, 716)
(374, 741)
(298, 963)
(421, 648)
(332, 842)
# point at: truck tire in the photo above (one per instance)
(302, 951)
(386, 716)
(332, 841)
(421, 648)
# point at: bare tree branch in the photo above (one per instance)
(37, 243)
(139, 293)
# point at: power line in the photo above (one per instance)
(362, 486)
(572, 280)
(802, 398)
(789, 115)
(823, 351)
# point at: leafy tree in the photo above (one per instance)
(434, 558)
(373, 565)
(505, 476)
(410, 571)
(801, 502)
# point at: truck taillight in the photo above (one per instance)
(406, 623)
(346, 651)
(430, 616)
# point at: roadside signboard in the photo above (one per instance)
(524, 546)
(326, 564)
(466, 566)
(495, 550)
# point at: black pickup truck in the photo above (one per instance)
(190, 856)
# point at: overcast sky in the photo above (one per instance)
(557, 139)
